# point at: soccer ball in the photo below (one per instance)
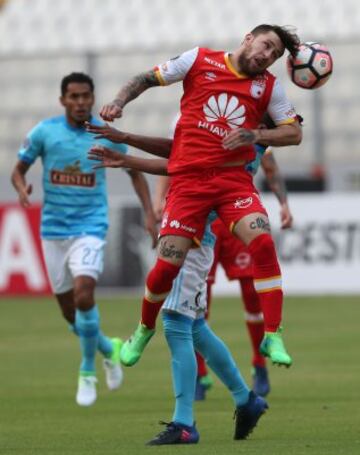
(311, 67)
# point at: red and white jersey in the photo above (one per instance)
(216, 100)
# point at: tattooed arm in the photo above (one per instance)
(277, 185)
(130, 91)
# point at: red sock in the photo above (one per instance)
(267, 280)
(254, 318)
(201, 365)
(158, 285)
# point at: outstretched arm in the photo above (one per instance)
(110, 158)
(130, 91)
(173, 70)
(280, 136)
(157, 146)
(18, 180)
(277, 185)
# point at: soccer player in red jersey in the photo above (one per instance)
(225, 97)
(236, 261)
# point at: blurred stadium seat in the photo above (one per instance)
(41, 40)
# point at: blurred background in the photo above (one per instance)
(112, 40)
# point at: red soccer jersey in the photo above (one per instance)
(216, 99)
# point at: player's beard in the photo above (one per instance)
(244, 63)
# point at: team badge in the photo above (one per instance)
(257, 88)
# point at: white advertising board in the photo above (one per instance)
(321, 253)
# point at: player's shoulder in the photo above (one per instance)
(269, 76)
(44, 127)
(207, 51)
(51, 122)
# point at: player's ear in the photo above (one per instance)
(62, 101)
(248, 38)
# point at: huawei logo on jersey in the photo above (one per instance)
(225, 107)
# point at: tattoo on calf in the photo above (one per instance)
(260, 223)
(167, 250)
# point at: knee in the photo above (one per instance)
(177, 326)
(84, 298)
(263, 243)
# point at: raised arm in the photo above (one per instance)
(277, 185)
(110, 158)
(130, 91)
(157, 146)
(286, 131)
(18, 180)
(172, 71)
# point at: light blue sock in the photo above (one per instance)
(220, 360)
(104, 343)
(178, 333)
(87, 327)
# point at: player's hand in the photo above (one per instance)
(150, 226)
(111, 111)
(105, 132)
(286, 217)
(158, 207)
(106, 156)
(24, 196)
(239, 137)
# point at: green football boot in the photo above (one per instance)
(133, 347)
(206, 381)
(272, 346)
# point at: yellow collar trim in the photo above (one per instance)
(232, 69)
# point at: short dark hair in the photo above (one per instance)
(287, 35)
(81, 78)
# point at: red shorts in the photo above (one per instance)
(191, 197)
(231, 253)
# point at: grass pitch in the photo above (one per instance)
(314, 406)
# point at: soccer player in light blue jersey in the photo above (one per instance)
(75, 221)
(185, 327)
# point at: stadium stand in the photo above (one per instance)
(41, 40)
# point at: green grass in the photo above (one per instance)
(314, 406)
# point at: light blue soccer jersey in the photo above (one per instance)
(75, 198)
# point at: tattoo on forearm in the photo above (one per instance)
(260, 223)
(168, 250)
(248, 136)
(136, 86)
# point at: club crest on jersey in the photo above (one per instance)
(243, 203)
(257, 88)
(72, 176)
